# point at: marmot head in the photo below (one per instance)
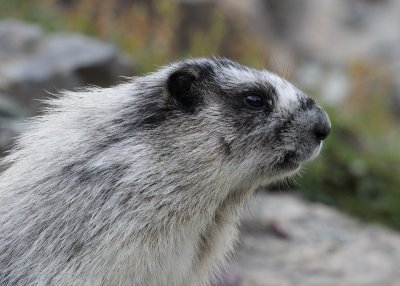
(246, 124)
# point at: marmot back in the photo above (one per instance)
(144, 183)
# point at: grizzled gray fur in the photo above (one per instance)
(143, 183)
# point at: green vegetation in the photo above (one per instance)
(153, 33)
(359, 169)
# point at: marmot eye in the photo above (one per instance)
(254, 101)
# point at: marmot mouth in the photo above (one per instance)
(288, 165)
(288, 162)
(293, 159)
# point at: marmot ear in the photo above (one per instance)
(181, 88)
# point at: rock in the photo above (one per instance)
(37, 63)
(11, 116)
(322, 247)
(34, 64)
(9, 130)
(9, 109)
(18, 39)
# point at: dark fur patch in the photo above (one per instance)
(75, 249)
(306, 103)
(226, 146)
(282, 128)
(204, 248)
(126, 198)
(154, 120)
(205, 72)
(147, 117)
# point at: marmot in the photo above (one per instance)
(143, 183)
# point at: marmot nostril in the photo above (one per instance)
(321, 129)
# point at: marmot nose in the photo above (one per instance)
(322, 127)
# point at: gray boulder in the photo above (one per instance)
(34, 63)
(11, 116)
(289, 242)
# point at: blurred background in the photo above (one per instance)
(344, 53)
